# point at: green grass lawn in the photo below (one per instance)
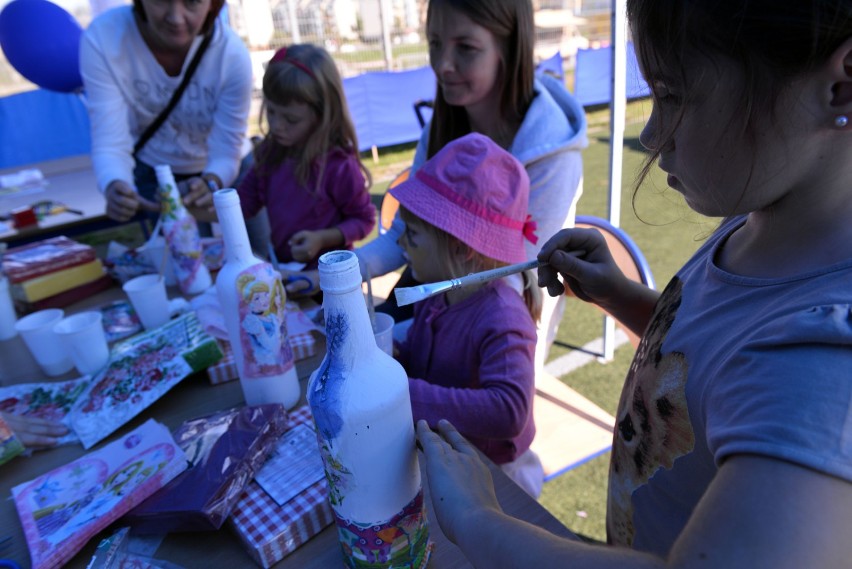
(666, 231)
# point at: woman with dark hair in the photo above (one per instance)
(482, 55)
(133, 59)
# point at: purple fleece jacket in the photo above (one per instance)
(472, 364)
(342, 202)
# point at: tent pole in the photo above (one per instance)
(617, 106)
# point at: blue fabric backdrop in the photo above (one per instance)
(593, 76)
(382, 105)
(44, 125)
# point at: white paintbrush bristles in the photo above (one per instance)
(410, 295)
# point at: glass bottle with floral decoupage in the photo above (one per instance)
(362, 409)
(181, 233)
(253, 305)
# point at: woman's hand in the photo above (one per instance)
(34, 432)
(123, 202)
(459, 482)
(197, 195)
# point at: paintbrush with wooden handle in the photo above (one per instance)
(417, 293)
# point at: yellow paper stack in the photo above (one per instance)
(53, 273)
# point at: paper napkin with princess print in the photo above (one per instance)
(64, 508)
(141, 370)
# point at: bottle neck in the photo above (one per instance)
(347, 322)
(234, 233)
(346, 318)
(168, 190)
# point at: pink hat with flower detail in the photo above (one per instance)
(477, 192)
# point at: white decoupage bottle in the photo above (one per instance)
(181, 233)
(253, 303)
(362, 409)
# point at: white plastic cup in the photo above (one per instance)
(7, 312)
(148, 296)
(36, 329)
(84, 338)
(384, 332)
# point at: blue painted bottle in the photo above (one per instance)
(362, 409)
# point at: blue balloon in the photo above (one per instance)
(42, 42)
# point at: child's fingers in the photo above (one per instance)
(30, 440)
(46, 427)
(571, 240)
(548, 277)
(298, 238)
(35, 432)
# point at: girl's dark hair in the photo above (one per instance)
(286, 81)
(772, 41)
(215, 8)
(511, 22)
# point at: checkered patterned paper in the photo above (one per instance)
(270, 532)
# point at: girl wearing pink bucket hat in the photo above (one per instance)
(469, 353)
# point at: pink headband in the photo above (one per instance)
(281, 55)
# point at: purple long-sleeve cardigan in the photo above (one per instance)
(472, 364)
(342, 202)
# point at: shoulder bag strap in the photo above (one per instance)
(164, 114)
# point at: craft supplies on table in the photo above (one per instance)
(53, 273)
(53, 401)
(142, 369)
(181, 232)
(62, 509)
(300, 331)
(253, 305)
(270, 532)
(359, 396)
(304, 345)
(225, 450)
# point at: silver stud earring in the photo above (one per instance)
(840, 121)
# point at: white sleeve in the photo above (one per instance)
(383, 254)
(556, 183)
(112, 143)
(231, 116)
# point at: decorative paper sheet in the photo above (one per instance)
(293, 466)
(62, 509)
(269, 531)
(52, 401)
(141, 370)
(120, 320)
